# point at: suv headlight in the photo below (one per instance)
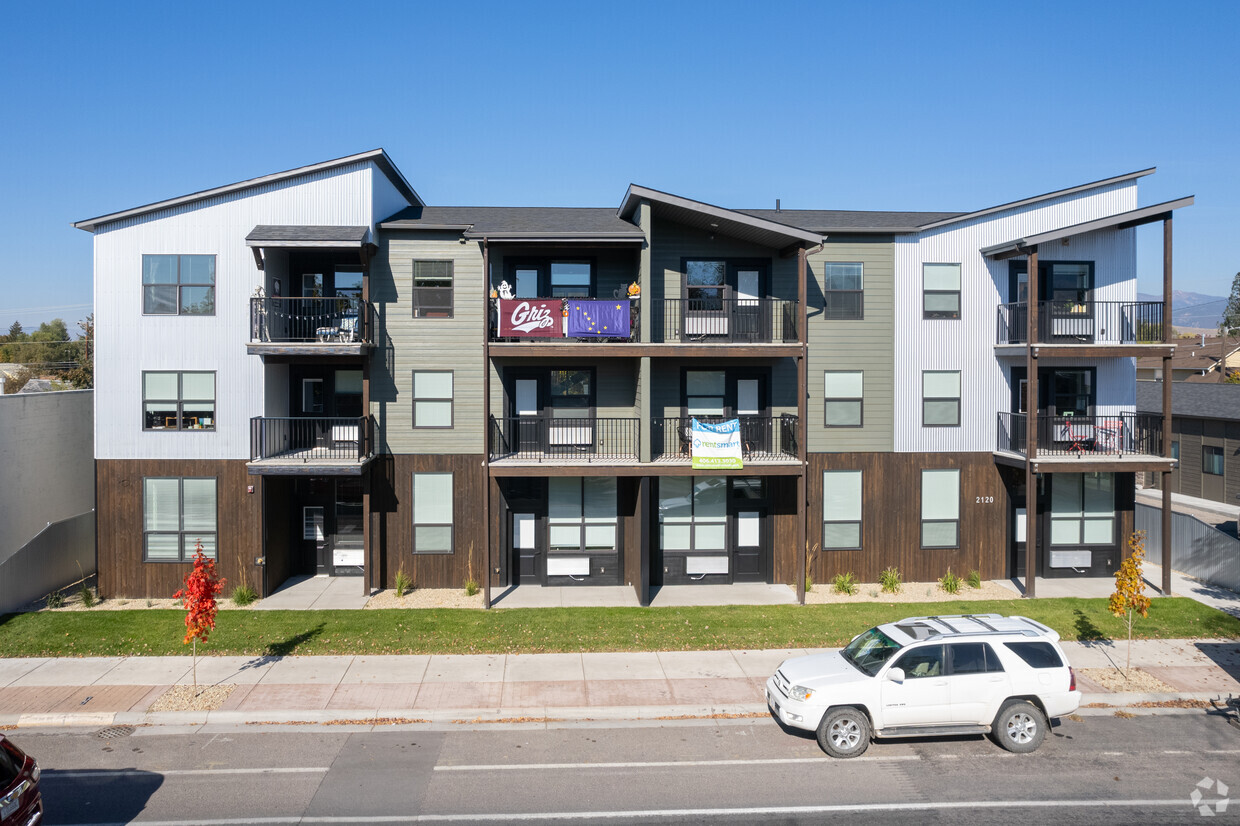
(800, 692)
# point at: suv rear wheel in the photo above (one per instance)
(1019, 727)
(844, 732)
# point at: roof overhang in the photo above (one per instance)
(714, 219)
(377, 156)
(557, 237)
(1121, 220)
(270, 235)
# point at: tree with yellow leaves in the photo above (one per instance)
(1129, 598)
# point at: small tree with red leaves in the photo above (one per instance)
(202, 586)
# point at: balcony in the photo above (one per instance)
(1124, 441)
(764, 439)
(558, 321)
(726, 320)
(540, 440)
(1108, 323)
(310, 446)
(320, 326)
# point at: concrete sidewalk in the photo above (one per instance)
(103, 691)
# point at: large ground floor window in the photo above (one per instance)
(178, 514)
(581, 514)
(1083, 509)
(693, 513)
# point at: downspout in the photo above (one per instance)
(486, 422)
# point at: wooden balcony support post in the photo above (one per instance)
(1166, 409)
(486, 426)
(802, 554)
(1031, 431)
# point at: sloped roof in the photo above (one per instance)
(378, 156)
(839, 220)
(1198, 401)
(518, 223)
(276, 235)
(711, 218)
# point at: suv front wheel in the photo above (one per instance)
(1020, 727)
(844, 732)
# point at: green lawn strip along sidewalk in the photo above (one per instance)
(541, 630)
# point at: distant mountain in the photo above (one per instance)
(1192, 309)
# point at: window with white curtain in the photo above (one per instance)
(432, 398)
(693, 513)
(842, 402)
(940, 509)
(581, 514)
(841, 510)
(940, 290)
(940, 398)
(432, 513)
(178, 514)
(1083, 509)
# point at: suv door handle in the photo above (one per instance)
(939, 682)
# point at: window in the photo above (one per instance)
(1211, 460)
(704, 392)
(973, 658)
(570, 279)
(693, 513)
(432, 513)
(842, 292)
(582, 514)
(432, 289)
(432, 398)
(940, 290)
(842, 403)
(940, 398)
(922, 662)
(940, 509)
(178, 401)
(1083, 509)
(1036, 654)
(178, 284)
(1175, 451)
(841, 510)
(177, 515)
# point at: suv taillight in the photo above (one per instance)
(1072, 681)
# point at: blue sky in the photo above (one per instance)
(921, 106)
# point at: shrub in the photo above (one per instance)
(890, 580)
(55, 600)
(403, 583)
(949, 582)
(471, 587)
(975, 579)
(845, 584)
(87, 596)
(243, 595)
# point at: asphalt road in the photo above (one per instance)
(1092, 770)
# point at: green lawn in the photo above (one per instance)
(256, 633)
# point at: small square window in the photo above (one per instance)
(178, 284)
(178, 401)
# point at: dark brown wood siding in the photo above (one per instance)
(123, 573)
(784, 514)
(891, 517)
(391, 504)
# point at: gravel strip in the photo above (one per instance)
(188, 698)
(1113, 679)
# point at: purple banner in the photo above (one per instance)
(598, 319)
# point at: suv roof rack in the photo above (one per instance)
(1036, 630)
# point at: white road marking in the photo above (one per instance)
(680, 813)
(84, 775)
(666, 764)
(1113, 753)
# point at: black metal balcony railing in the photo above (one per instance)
(336, 319)
(762, 437)
(561, 331)
(1122, 434)
(548, 439)
(726, 320)
(1087, 322)
(311, 439)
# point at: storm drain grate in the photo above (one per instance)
(114, 731)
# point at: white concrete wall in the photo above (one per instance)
(47, 466)
(129, 342)
(967, 344)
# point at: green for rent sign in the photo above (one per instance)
(716, 445)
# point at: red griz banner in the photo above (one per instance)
(531, 317)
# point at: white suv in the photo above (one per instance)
(930, 676)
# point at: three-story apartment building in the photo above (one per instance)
(316, 372)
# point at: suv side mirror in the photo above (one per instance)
(896, 675)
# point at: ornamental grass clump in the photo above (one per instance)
(845, 584)
(974, 580)
(890, 580)
(949, 582)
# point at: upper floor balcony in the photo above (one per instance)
(310, 446)
(764, 439)
(341, 325)
(546, 326)
(1117, 442)
(1082, 323)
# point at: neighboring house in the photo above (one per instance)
(47, 476)
(1205, 438)
(316, 372)
(1195, 360)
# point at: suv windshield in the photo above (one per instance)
(868, 652)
